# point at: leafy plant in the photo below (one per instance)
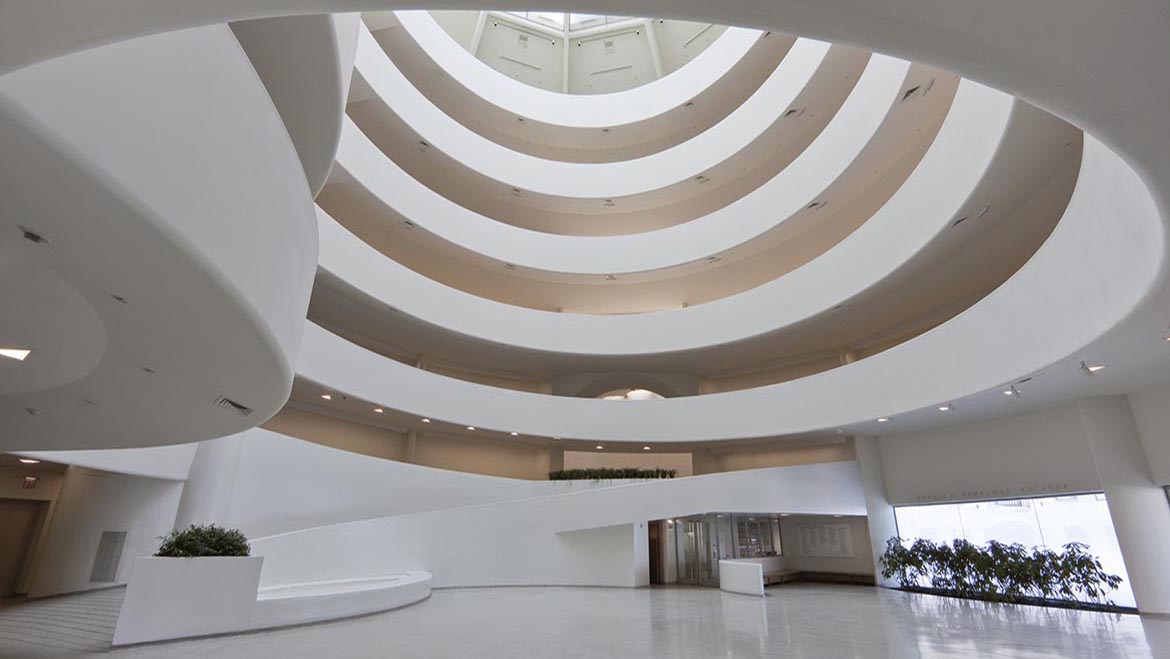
(210, 540)
(610, 473)
(999, 571)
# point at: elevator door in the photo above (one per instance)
(18, 521)
(698, 560)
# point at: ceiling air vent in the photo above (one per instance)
(32, 236)
(910, 92)
(232, 405)
(959, 221)
(816, 205)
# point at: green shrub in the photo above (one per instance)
(999, 572)
(609, 473)
(210, 540)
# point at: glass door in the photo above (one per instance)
(698, 551)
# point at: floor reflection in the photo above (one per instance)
(794, 620)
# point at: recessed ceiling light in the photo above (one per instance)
(426, 420)
(29, 461)
(945, 407)
(1011, 391)
(838, 516)
(18, 354)
(1090, 369)
(556, 437)
(327, 396)
(514, 434)
(599, 447)
(645, 448)
(471, 427)
(378, 410)
(884, 419)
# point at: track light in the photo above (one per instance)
(1090, 369)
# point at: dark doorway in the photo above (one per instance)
(657, 536)
(18, 524)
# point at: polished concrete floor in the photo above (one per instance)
(795, 620)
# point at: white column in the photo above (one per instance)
(207, 494)
(881, 521)
(1141, 515)
(556, 458)
(411, 446)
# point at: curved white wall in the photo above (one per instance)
(513, 169)
(923, 207)
(583, 538)
(965, 356)
(731, 226)
(162, 174)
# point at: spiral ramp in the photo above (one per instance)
(422, 264)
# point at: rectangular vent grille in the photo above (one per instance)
(232, 405)
(109, 554)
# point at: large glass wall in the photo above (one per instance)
(703, 540)
(1042, 522)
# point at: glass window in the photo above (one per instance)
(1042, 522)
(756, 536)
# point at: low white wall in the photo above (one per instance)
(179, 597)
(582, 538)
(744, 577)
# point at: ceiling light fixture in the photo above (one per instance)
(19, 354)
(945, 407)
(599, 447)
(645, 448)
(327, 396)
(29, 461)
(514, 434)
(378, 410)
(1011, 391)
(1090, 369)
(471, 427)
(884, 419)
(426, 420)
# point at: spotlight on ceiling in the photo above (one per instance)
(945, 407)
(514, 434)
(327, 396)
(884, 419)
(471, 427)
(645, 448)
(19, 354)
(426, 420)
(378, 410)
(1090, 369)
(1011, 391)
(29, 461)
(599, 447)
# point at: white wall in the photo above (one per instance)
(92, 502)
(860, 563)
(1151, 413)
(1033, 454)
(560, 539)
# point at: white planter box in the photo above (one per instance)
(178, 597)
(741, 577)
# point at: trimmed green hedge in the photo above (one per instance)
(210, 540)
(1000, 572)
(609, 473)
